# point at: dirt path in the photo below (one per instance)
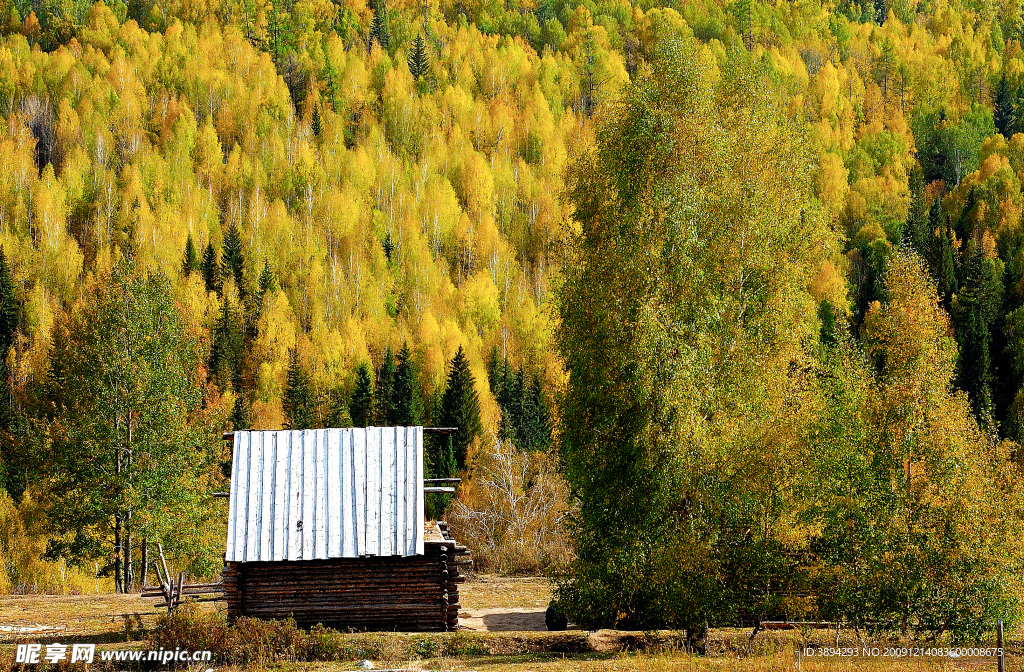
(500, 603)
(501, 619)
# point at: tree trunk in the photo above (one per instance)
(129, 575)
(117, 555)
(145, 563)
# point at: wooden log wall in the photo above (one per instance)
(408, 594)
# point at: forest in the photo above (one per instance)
(725, 296)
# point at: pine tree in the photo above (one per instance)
(267, 284)
(228, 347)
(241, 415)
(418, 61)
(297, 401)
(945, 268)
(460, 407)
(268, 279)
(743, 10)
(494, 379)
(511, 402)
(915, 231)
(211, 269)
(190, 260)
(337, 409)
(407, 404)
(316, 124)
(383, 393)
(379, 25)
(361, 406)
(8, 307)
(536, 428)
(233, 260)
(965, 223)
(881, 11)
(974, 314)
(1003, 115)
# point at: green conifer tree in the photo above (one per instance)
(241, 415)
(743, 11)
(407, 404)
(965, 224)
(190, 259)
(361, 406)
(460, 407)
(233, 259)
(975, 311)
(383, 393)
(536, 429)
(512, 409)
(337, 409)
(228, 347)
(418, 60)
(268, 279)
(946, 270)
(494, 371)
(297, 401)
(317, 123)
(211, 269)
(915, 231)
(8, 307)
(1003, 115)
(379, 25)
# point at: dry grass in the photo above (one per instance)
(101, 618)
(642, 662)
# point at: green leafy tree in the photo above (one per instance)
(901, 470)
(126, 438)
(298, 401)
(460, 407)
(672, 372)
(361, 405)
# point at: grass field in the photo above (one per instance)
(116, 621)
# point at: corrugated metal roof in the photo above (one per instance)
(326, 493)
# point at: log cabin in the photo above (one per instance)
(327, 526)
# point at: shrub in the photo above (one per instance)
(512, 516)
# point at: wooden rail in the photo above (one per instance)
(171, 592)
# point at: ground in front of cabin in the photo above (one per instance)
(502, 619)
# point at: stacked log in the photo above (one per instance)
(415, 593)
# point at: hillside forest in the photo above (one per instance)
(744, 275)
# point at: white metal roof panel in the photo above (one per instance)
(326, 493)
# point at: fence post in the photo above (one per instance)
(999, 646)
